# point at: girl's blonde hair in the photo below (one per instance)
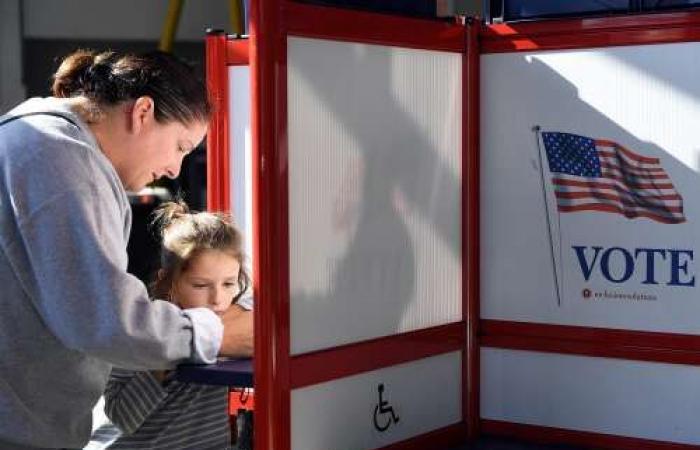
(185, 234)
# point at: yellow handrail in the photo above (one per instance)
(235, 9)
(167, 35)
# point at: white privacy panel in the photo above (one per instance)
(627, 398)
(592, 221)
(378, 408)
(241, 154)
(374, 190)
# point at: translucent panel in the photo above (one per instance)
(241, 176)
(406, 7)
(355, 413)
(669, 4)
(630, 398)
(511, 10)
(374, 190)
(521, 9)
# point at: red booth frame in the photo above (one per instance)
(276, 372)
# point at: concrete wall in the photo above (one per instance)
(119, 20)
(11, 86)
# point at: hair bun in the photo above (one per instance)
(88, 72)
(169, 212)
(68, 79)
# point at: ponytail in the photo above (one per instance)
(168, 213)
(109, 78)
(69, 78)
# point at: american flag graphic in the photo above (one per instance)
(601, 175)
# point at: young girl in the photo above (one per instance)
(202, 261)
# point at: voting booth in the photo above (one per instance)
(339, 144)
(457, 228)
(589, 299)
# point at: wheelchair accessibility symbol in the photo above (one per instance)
(383, 414)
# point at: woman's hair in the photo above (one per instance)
(110, 78)
(186, 234)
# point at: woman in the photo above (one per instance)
(69, 309)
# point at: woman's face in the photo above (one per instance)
(210, 281)
(161, 149)
(142, 149)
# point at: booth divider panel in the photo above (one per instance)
(374, 142)
(614, 247)
(355, 413)
(644, 400)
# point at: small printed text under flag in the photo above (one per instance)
(602, 175)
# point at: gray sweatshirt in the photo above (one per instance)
(68, 308)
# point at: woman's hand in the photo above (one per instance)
(238, 333)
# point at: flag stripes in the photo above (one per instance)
(601, 175)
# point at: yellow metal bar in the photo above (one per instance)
(236, 12)
(167, 35)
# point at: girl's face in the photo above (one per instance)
(210, 281)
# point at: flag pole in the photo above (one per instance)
(536, 129)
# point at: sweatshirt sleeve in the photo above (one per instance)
(131, 397)
(72, 234)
